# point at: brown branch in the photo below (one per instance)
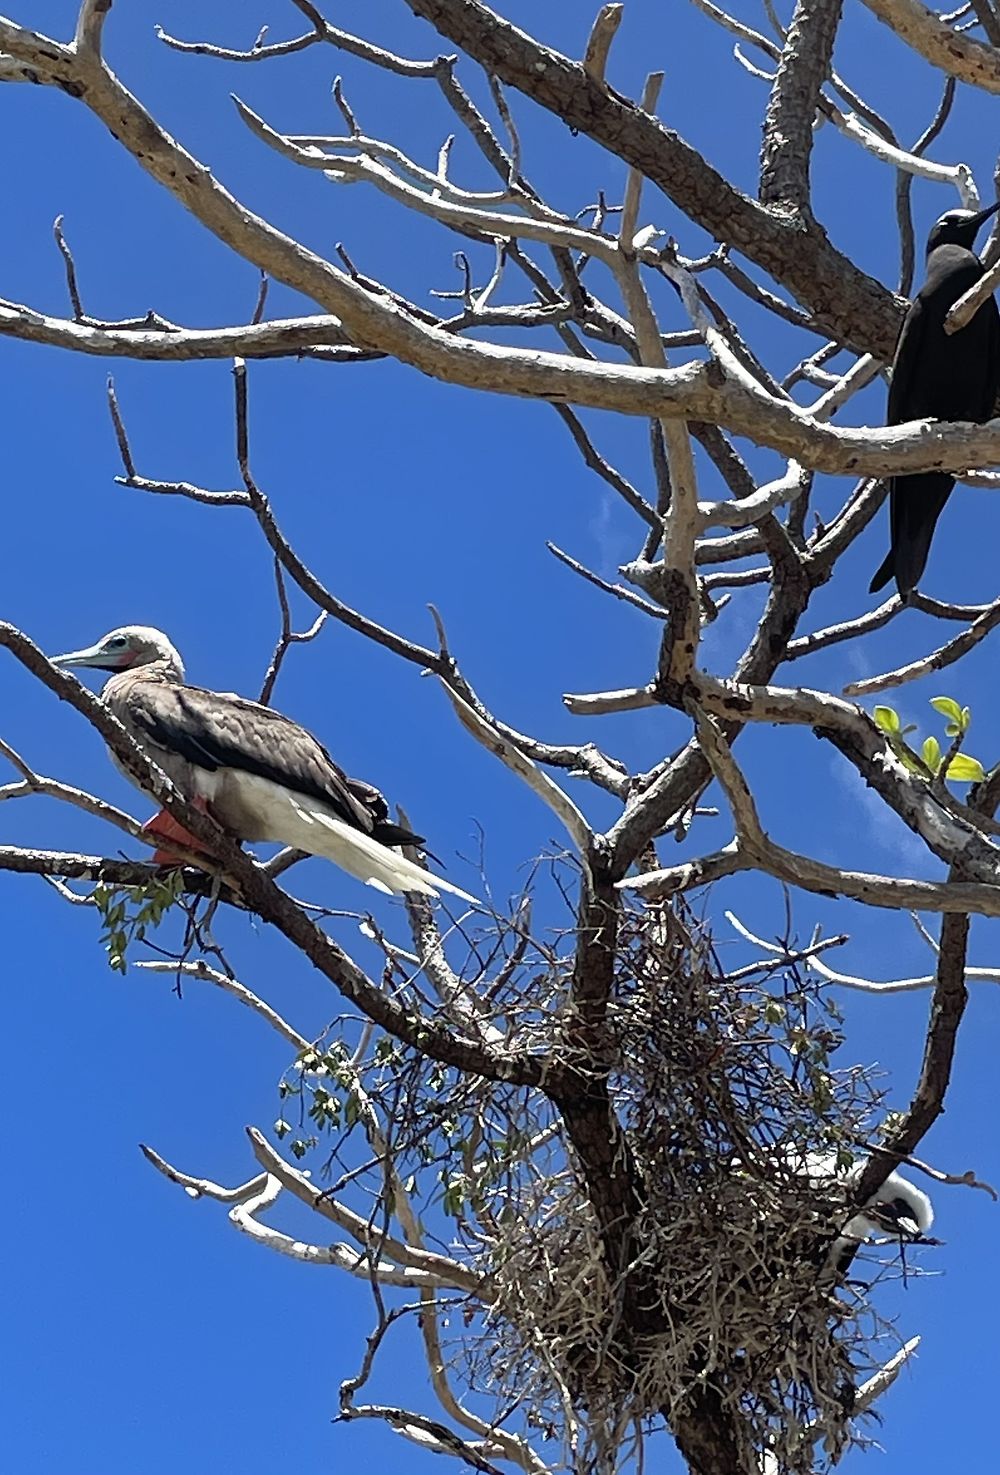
(616, 590)
(988, 20)
(90, 25)
(904, 186)
(229, 53)
(947, 1009)
(874, 619)
(597, 463)
(791, 108)
(924, 32)
(144, 339)
(73, 866)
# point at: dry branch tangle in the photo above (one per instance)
(381, 323)
(851, 306)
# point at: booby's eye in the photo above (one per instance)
(117, 642)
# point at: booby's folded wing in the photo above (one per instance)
(213, 730)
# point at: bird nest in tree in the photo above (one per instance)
(722, 1084)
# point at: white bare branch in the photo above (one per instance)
(440, 1270)
(199, 969)
(518, 762)
(969, 304)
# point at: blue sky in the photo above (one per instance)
(140, 1332)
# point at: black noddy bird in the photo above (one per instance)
(259, 774)
(938, 376)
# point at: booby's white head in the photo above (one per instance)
(125, 648)
(898, 1208)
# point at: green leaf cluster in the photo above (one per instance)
(930, 760)
(129, 912)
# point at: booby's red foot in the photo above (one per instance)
(165, 827)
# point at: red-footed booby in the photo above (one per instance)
(897, 1210)
(259, 774)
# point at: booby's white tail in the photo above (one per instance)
(321, 833)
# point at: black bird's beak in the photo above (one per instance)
(984, 215)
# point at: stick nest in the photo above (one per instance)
(722, 1085)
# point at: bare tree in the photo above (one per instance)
(615, 1122)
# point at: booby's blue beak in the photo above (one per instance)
(105, 656)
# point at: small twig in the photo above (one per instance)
(226, 53)
(617, 590)
(199, 969)
(258, 312)
(885, 1377)
(507, 119)
(607, 472)
(342, 104)
(807, 645)
(203, 1187)
(896, 985)
(67, 256)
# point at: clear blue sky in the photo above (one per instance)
(140, 1333)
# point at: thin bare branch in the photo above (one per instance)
(200, 970)
(475, 722)
(937, 660)
(90, 26)
(603, 32)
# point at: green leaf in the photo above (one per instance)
(966, 769)
(931, 753)
(454, 1197)
(948, 707)
(886, 719)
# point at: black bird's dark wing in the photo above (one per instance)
(913, 508)
(915, 504)
(222, 730)
(906, 364)
(941, 376)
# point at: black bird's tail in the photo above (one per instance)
(916, 503)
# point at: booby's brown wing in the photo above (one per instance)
(215, 729)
